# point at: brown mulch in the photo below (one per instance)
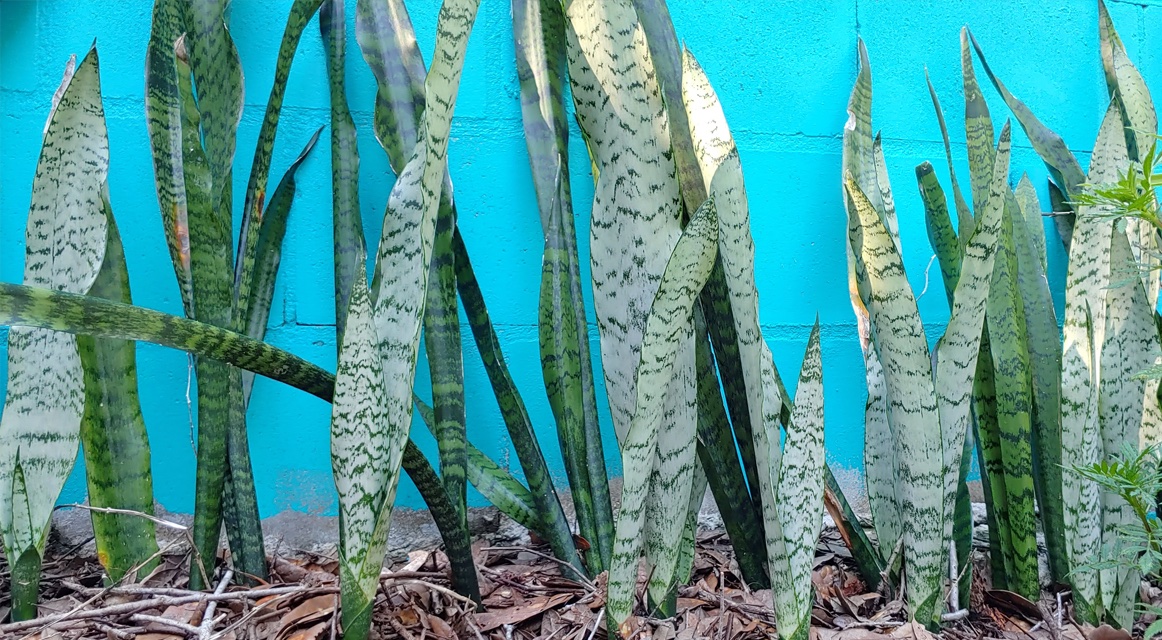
(526, 596)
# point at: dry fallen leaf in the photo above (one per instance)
(1106, 632)
(308, 612)
(521, 612)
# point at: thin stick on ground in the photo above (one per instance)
(206, 629)
(583, 578)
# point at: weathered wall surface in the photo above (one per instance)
(783, 70)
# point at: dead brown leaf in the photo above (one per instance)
(519, 613)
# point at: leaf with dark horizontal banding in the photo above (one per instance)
(64, 249)
(964, 220)
(385, 36)
(654, 443)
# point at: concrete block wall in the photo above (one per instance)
(783, 70)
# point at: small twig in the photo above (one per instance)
(126, 512)
(582, 577)
(160, 602)
(124, 633)
(389, 578)
(400, 629)
(596, 624)
(206, 630)
(954, 615)
(176, 625)
(926, 270)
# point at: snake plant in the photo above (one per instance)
(1011, 394)
(918, 409)
(1109, 328)
(64, 389)
(191, 53)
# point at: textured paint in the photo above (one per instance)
(782, 74)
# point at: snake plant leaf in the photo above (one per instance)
(1033, 227)
(1045, 358)
(366, 447)
(958, 349)
(721, 169)
(551, 522)
(218, 75)
(1140, 119)
(912, 409)
(268, 254)
(563, 362)
(1008, 342)
(497, 485)
(978, 130)
(441, 324)
(388, 42)
(64, 249)
(301, 13)
(1058, 159)
(163, 119)
(669, 60)
(405, 248)
(717, 450)
(42, 308)
(1084, 334)
(800, 503)
(115, 443)
(1127, 85)
(1128, 407)
(540, 43)
(941, 236)
(268, 251)
(635, 221)
(859, 159)
(964, 221)
(653, 441)
(347, 223)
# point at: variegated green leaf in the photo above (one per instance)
(366, 447)
(912, 409)
(958, 349)
(301, 13)
(1128, 406)
(635, 220)
(943, 239)
(1009, 351)
(405, 248)
(385, 35)
(347, 223)
(64, 249)
(1127, 85)
(1084, 334)
(964, 220)
(800, 501)
(1045, 357)
(978, 130)
(1060, 161)
(660, 437)
(113, 436)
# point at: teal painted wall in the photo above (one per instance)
(783, 70)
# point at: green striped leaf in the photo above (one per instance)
(269, 254)
(978, 130)
(1127, 85)
(552, 524)
(1084, 334)
(1128, 406)
(1045, 358)
(164, 121)
(959, 347)
(660, 439)
(366, 447)
(800, 500)
(964, 220)
(301, 13)
(1008, 342)
(1062, 165)
(941, 236)
(540, 43)
(218, 75)
(113, 436)
(722, 170)
(385, 36)
(347, 223)
(64, 249)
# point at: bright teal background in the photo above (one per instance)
(783, 70)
